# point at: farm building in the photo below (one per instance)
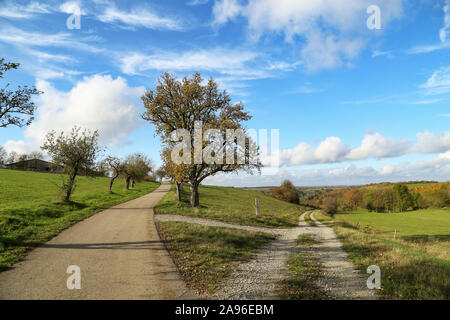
(34, 165)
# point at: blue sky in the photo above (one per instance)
(353, 105)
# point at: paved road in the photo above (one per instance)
(118, 251)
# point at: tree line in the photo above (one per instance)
(396, 197)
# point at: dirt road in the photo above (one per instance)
(119, 253)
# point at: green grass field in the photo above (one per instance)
(31, 212)
(414, 266)
(234, 205)
(427, 230)
(206, 256)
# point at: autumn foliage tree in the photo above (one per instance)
(75, 151)
(182, 105)
(286, 192)
(16, 107)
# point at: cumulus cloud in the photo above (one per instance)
(97, 103)
(432, 143)
(332, 149)
(376, 145)
(325, 24)
(373, 145)
(436, 169)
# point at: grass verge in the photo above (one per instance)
(407, 273)
(233, 205)
(31, 214)
(206, 256)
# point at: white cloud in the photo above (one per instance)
(71, 7)
(431, 101)
(443, 35)
(332, 149)
(44, 56)
(63, 39)
(431, 143)
(219, 60)
(138, 17)
(329, 27)
(225, 10)
(197, 2)
(445, 30)
(436, 169)
(438, 83)
(377, 146)
(97, 103)
(12, 10)
(325, 52)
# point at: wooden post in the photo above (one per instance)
(257, 206)
(395, 234)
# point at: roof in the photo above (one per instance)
(29, 160)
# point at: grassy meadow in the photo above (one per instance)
(233, 205)
(31, 211)
(206, 256)
(427, 230)
(415, 265)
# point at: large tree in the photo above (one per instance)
(75, 151)
(16, 107)
(184, 104)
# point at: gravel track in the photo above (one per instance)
(340, 279)
(260, 278)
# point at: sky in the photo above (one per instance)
(353, 103)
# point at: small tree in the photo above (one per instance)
(75, 151)
(179, 173)
(115, 166)
(15, 106)
(286, 192)
(330, 205)
(136, 167)
(13, 157)
(160, 173)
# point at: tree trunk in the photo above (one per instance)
(133, 183)
(194, 194)
(70, 184)
(127, 183)
(178, 190)
(111, 182)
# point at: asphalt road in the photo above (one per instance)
(118, 251)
